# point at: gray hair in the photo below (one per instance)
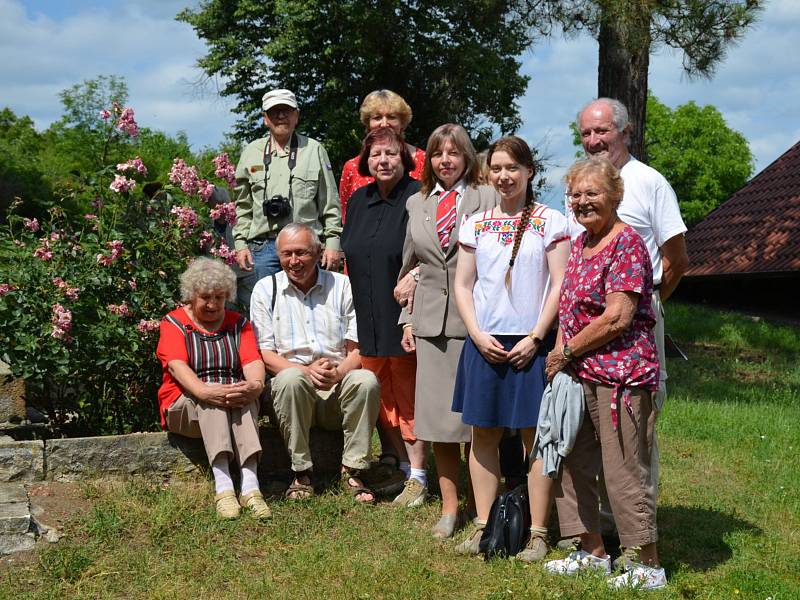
(295, 228)
(205, 275)
(618, 111)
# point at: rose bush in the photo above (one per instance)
(81, 297)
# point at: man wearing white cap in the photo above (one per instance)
(283, 178)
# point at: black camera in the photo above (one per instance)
(277, 207)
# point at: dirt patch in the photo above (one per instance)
(53, 504)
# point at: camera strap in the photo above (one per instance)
(293, 143)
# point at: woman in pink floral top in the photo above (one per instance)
(606, 339)
(381, 108)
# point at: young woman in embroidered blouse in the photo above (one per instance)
(510, 265)
(606, 338)
(381, 108)
(212, 379)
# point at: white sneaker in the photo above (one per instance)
(640, 577)
(579, 561)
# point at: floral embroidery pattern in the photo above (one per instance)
(505, 228)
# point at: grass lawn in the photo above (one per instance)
(729, 510)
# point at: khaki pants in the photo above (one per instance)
(232, 430)
(624, 456)
(607, 526)
(352, 406)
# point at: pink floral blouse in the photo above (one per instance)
(631, 359)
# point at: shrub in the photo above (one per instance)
(81, 296)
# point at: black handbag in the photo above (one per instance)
(509, 525)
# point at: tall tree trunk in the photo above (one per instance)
(624, 59)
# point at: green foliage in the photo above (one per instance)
(21, 170)
(452, 60)
(81, 297)
(704, 160)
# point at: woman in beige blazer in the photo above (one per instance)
(432, 325)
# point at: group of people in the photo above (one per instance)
(462, 298)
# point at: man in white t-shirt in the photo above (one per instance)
(649, 206)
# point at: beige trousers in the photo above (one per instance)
(351, 406)
(624, 456)
(232, 430)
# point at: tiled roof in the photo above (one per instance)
(757, 230)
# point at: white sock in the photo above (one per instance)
(420, 475)
(222, 475)
(249, 475)
(405, 467)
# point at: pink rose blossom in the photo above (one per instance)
(6, 288)
(31, 224)
(224, 169)
(206, 239)
(189, 181)
(146, 326)
(90, 217)
(205, 190)
(62, 322)
(187, 217)
(132, 283)
(225, 213)
(105, 114)
(116, 252)
(127, 123)
(70, 292)
(43, 252)
(119, 309)
(225, 253)
(133, 164)
(122, 184)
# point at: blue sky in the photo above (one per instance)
(48, 45)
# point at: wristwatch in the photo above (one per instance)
(415, 275)
(535, 338)
(565, 350)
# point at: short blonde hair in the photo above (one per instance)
(394, 102)
(606, 174)
(205, 275)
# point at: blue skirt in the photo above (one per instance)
(489, 395)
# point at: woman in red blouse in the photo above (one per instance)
(213, 376)
(605, 337)
(381, 108)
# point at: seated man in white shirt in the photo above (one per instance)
(305, 326)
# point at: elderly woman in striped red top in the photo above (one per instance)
(213, 376)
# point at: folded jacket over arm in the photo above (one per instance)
(560, 419)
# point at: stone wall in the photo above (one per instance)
(154, 454)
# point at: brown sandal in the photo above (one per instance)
(298, 490)
(356, 489)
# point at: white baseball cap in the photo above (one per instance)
(277, 97)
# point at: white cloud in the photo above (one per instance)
(153, 52)
(49, 45)
(755, 88)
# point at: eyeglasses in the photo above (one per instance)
(589, 195)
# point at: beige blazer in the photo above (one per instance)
(435, 311)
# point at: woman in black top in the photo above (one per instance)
(372, 241)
